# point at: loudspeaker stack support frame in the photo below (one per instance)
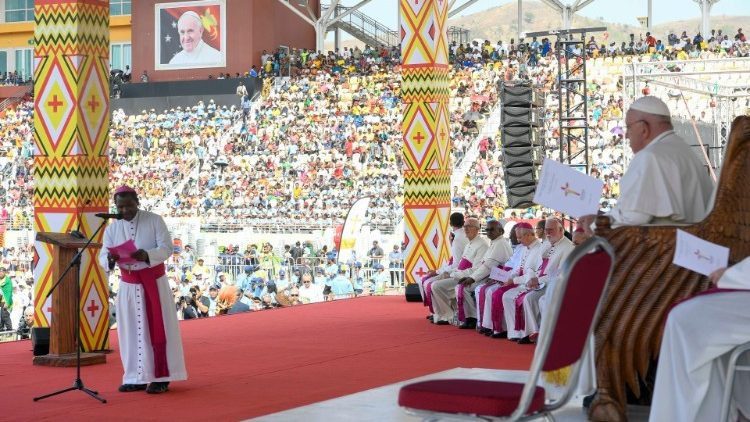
(522, 146)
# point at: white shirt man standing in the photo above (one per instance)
(194, 51)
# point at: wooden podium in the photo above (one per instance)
(65, 304)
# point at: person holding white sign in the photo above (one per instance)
(665, 183)
(698, 337)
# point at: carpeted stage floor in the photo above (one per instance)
(249, 365)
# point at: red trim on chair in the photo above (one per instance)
(577, 310)
(492, 398)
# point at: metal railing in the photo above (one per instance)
(363, 26)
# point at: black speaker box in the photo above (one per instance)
(519, 157)
(519, 136)
(521, 197)
(520, 116)
(412, 293)
(40, 340)
(520, 177)
(520, 96)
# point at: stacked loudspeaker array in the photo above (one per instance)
(522, 110)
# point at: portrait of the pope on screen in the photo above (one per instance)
(191, 35)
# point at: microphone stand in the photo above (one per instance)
(76, 262)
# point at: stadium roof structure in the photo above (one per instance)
(336, 15)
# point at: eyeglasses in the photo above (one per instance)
(627, 126)
(294, 295)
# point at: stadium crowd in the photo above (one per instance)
(324, 136)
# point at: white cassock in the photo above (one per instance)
(528, 269)
(665, 183)
(532, 308)
(496, 255)
(443, 288)
(457, 249)
(201, 54)
(699, 336)
(485, 313)
(149, 232)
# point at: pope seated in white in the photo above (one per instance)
(666, 182)
(699, 335)
(147, 330)
(194, 51)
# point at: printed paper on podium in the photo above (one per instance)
(567, 190)
(699, 255)
(499, 274)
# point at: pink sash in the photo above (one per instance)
(497, 307)
(520, 320)
(481, 295)
(147, 279)
(428, 295)
(464, 264)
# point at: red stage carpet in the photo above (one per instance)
(253, 364)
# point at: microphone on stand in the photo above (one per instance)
(77, 232)
(106, 216)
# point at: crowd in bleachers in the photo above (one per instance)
(326, 135)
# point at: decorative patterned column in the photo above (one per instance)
(71, 128)
(426, 143)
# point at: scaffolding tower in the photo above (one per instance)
(572, 95)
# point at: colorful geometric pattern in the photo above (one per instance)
(71, 168)
(426, 144)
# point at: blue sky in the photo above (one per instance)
(618, 11)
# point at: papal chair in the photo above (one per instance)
(572, 312)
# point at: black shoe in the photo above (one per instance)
(525, 340)
(503, 334)
(485, 331)
(129, 388)
(587, 400)
(469, 324)
(442, 322)
(157, 387)
(429, 317)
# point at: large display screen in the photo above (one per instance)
(190, 35)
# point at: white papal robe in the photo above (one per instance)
(699, 336)
(202, 54)
(665, 183)
(149, 232)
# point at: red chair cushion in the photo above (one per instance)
(491, 398)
